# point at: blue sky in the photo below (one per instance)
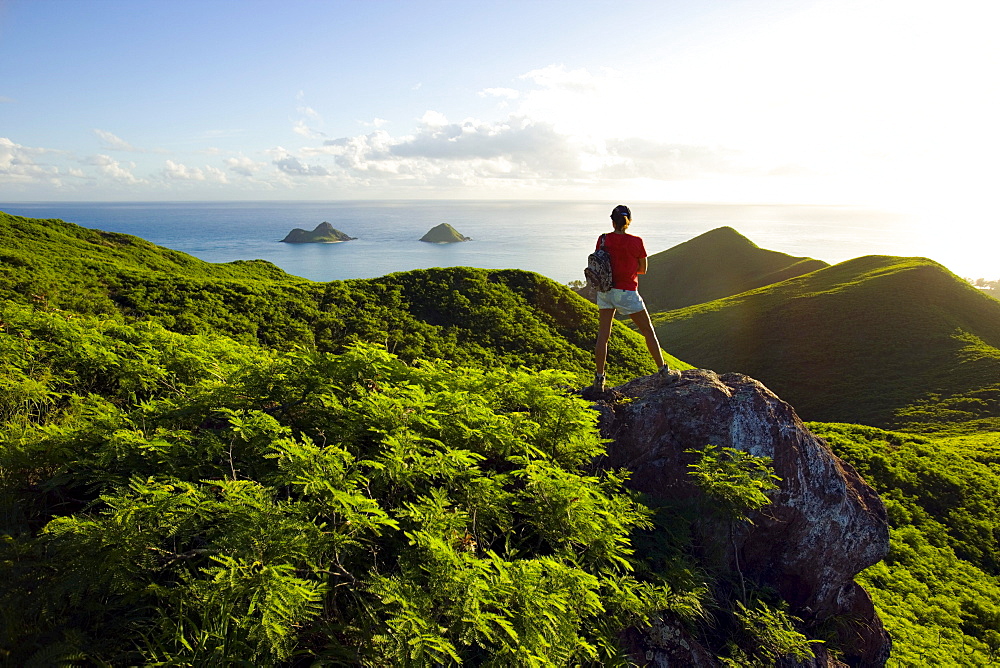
(885, 103)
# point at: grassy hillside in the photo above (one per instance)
(714, 265)
(505, 317)
(186, 500)
(938, 591)
(44, 244)
(187, 477)
(884, 341)
(59, 265)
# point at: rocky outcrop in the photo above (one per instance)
(443, 234)
(323, 234)
(824, 525)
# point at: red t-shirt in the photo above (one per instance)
(625, 250)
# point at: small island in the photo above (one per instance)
(443, 234)
(323, 234)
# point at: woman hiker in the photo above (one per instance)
(628, 260)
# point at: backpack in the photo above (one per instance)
(598, 270)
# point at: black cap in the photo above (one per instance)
(621, 210)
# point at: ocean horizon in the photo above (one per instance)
(548, 237)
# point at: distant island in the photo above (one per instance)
(323, 234)
(443, 234)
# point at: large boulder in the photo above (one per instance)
(825, 523)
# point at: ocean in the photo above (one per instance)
(551, 238)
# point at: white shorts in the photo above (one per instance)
(625, 301)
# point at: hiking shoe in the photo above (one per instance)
(668, 376)
(598, 385)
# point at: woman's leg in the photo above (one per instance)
(607, 319)
(642, 321)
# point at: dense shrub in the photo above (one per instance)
(179, 499)
(938, 591)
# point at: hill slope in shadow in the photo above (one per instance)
(713, 265)
(886, 341)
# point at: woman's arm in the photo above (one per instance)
(642, 265)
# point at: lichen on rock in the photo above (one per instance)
(825, 523)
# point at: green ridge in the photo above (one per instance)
(885, 341)
(45, 245)
(472, 316)
(716, 264)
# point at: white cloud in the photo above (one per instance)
(301, 127)
(518, 138)
(112, 142)
(361, 153)
(178, 172)
(535, 147)
(292, 166)
(558, 77)
(215, 175)
(433, 119)
(18, 164)
(307, 118)
(639, 158)
(508, 93)
(111, 168)
(303, 108)
(243, 165)
(173, 170)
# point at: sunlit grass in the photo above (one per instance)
(875, 340)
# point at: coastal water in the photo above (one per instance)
(551, 238)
